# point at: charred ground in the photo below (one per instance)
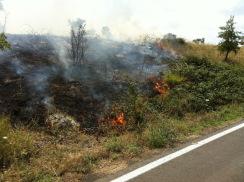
(37, 78)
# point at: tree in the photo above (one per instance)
(3, 42)
(78, 41)
(242, 41)
(230, 38)
(199, 41)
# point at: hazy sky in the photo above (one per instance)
(126, 18)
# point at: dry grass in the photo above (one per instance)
(72, 158)
(204, 50)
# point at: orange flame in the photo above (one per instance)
(119, 120)
(161, 88)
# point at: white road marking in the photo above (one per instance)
(174, 155)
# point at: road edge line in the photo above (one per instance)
(165, 159)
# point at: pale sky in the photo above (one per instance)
(126, 18)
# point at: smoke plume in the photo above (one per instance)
(40, 69)
(1, 5)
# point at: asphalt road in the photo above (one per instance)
(219, 161)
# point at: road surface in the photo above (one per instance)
(221, 160)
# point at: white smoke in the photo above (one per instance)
(1, 27)
(37, 79)
(1, 5)
(2, 18)
(106, 33)
(76, 23)
(61, 46)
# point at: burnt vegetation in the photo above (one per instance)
(109, 98)
(97, 80)
(39, 78)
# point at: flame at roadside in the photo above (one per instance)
(161, 88)
(119, 120)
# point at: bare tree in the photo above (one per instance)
(78, 41)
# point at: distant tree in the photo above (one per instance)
(199, 41)
(4, 44)
(181, 41)
(242, 41)
(170, 36)
(78, 41)
(230, 38)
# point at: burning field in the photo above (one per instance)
(81, 99)
(38, 78)
(83, 120)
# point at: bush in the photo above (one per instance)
(135, 107)
(6, 150)
(23, 144)
(175, 42)
(86, 164)
(181, 41)
(38, 177)
(114, 144)
(206, 86)
(82, 163)
(15, 145)
(173, 79)
(160, 135)
(133, 149)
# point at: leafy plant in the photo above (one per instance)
(6, 150)
(207, 85)
(173, 79)
(133, 149)
(230, 38)
(114, 144)
(15, 145)
(135, 107)
(4, 44)
(160, 135)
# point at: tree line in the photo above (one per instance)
(231, 40)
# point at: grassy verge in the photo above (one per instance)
(41, 157)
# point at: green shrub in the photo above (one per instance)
(177, 103)
(173, 79)
(86, 164)
(175, 42)
(6, 150)
(41, 176)
(114, 144)
(23, 144)
(160, 135)
(133, 149)
(207, 86)
(15, 145)
(181, 41)
(79, 164)
(135, 107)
